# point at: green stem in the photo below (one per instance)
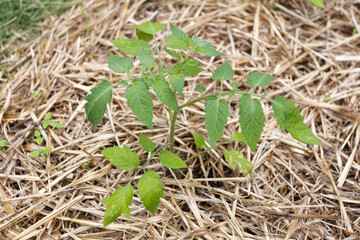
(208, 149)
(152, 155)
(158, 52)
(119, 83)
(172, 130)
(221, 88)
(222, 93)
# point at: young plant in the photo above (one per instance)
(40, 152)
(318, 3)
(47, 122)
(36, 94)
(38, 138)
(2, 145)
(168, 84)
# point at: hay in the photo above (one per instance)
(295, 191)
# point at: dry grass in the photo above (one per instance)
(296, 191)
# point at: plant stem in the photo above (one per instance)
(158, 52)
(172, 130)
(206, 150)
(223, 93)
(151, 156)
(119, 83)
(221, 88)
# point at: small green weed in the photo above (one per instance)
(318, 3)
(354, 31)
(36, 94)
(40, 152)
(2, 144)
(38, 138)
(47, 122)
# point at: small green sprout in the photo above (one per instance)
(38, 138)
(86, 164)
(318, 3)
(354, 31)
(47, 122)
(36, 94)
(2, 144)
(40, 152)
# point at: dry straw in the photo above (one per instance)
(295, 191)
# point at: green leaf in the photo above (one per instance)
(46, 150)
(355, 31)
(237, 136)
(205, 48)
(124, 83)
(38, 140)
(52, 124)
(232, 93)
(251, 120)
(2, 142)
(150, 27)
(146, 143)
(140, 101)
(174, 43)
(96, 106)
(118, 203)
(149, 77)
(186, 68)
(165, 94)
(271, 5)
(234, 157)
(132, 46)
(181, 36)
(224, 72)
(45, 124)
(191, 70)
(37, 133)
(288, 117)
(177, 82)
(120, 64)
(47, 116)
(161, 69)
(86, 164)
(147, 60)
(318, 3)
(171, 160)
(234, 85)
(143, 35)
(217, 111)
(122, 158)
(200, 89)
(256, 79)
(150, 190)
(199, 141)
(192, 62)
(37, 94)
(35, 153)
(173, 54)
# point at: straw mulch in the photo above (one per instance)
(295, 191)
